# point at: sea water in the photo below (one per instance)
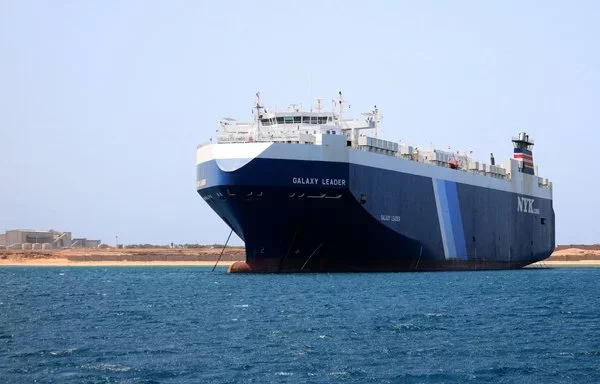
(188, 325)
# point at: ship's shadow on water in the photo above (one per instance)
(188, 325)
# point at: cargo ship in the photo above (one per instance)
(313, 191)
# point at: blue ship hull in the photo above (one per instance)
(323, 216)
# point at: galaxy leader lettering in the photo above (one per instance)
(319, 181)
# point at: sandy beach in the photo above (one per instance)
(69, 263)
(551, 263)
(122, 257)
(573, 256)
(564, 256)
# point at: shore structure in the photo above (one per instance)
(28, 239)
(316, 191)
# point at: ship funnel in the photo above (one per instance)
(523, 152)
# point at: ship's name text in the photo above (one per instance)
(394, 218)
(319, 181)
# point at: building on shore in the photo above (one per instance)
(85, 243)
(35, 239)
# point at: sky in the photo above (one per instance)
(102, 103)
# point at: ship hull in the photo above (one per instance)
(338, 216)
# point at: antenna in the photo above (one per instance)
(318, 104)
(375, 119)
(258, 115)
(257, 106)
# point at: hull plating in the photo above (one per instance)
(318, 216)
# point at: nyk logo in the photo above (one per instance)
(526, 205)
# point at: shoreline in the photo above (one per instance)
(70, 263)
(161, 263)
(121, 257)
(561, 263)
(567, 257)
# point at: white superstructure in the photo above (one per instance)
(269, 134)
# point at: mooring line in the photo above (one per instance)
(222, 250)
(309, 257)
(419, 259)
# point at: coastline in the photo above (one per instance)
(126, 257)
(563, 257)
(565, 264)
(69, 263)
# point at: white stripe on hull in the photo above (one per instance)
(234, 156)
(440, 214)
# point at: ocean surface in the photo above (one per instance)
(188, 325)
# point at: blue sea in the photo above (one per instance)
(188, 325)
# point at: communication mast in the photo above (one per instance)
(375, 118)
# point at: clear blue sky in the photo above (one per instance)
(102, 103)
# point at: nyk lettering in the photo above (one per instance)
(525, 204)
(319, 181)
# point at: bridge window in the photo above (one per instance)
(321, 120)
